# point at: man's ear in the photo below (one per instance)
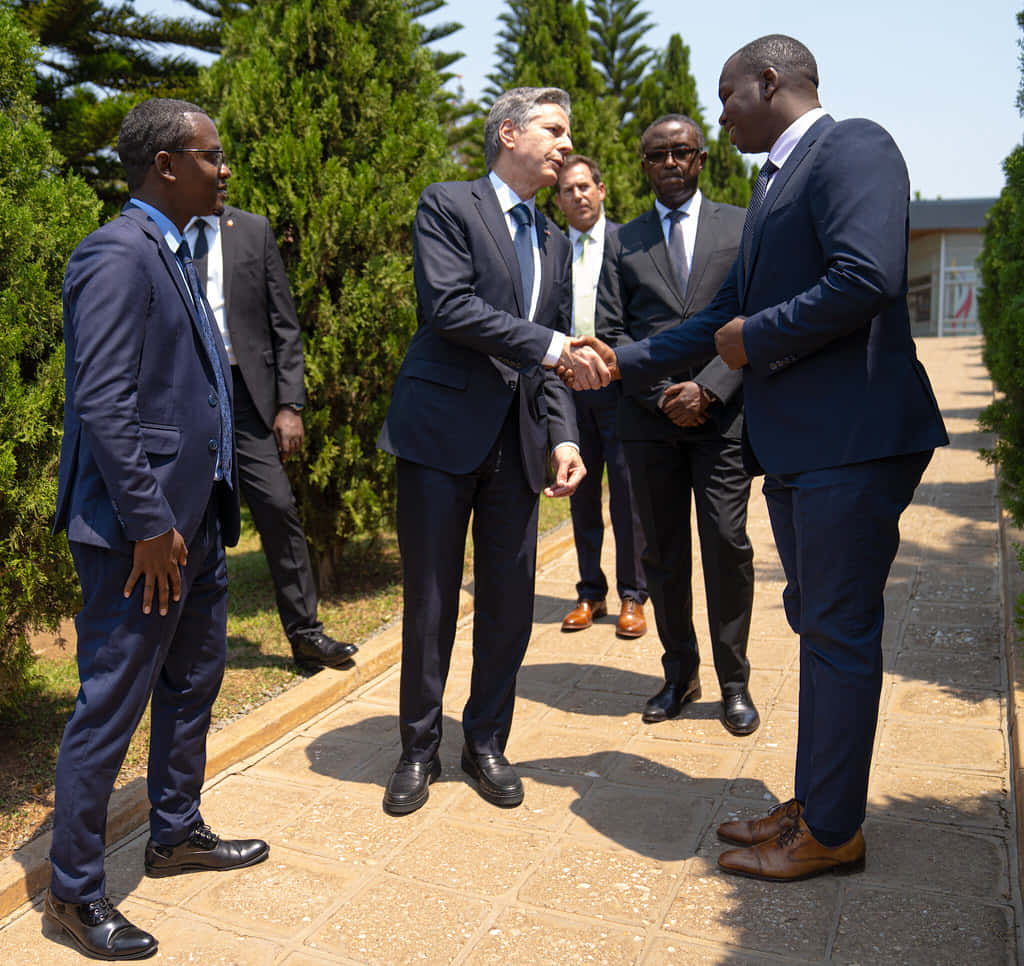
(507, 133)
(162, 163)
(769, 83)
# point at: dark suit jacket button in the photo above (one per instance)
(212, 445)
(512, 384)
(212, 399)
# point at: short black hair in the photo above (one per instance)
(574, 159)
(788, 56)
(157, 124)
(678, 118)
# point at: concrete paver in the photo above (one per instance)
(611, 858)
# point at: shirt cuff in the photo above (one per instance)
(555, 347)
(568, 442)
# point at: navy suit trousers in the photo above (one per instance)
(126, 657)
(837, 533)
(434, 509)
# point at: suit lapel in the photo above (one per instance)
(494, 221)
(702, 248)
(168, 257)
(547, 260)
(778, 187)
(229, 255)
(657, 250)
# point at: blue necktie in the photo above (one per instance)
(524, 252)
(210, 340)
(756, 200)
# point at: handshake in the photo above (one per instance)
(587, 363)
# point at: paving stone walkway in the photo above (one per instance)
(611, 859)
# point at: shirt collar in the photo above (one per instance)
(788, 139)
(211, 221)
(690, 207)
(596, 231)
(172, 236)
(507, 198)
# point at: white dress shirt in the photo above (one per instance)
(691, 209)
(507, 200)
(788, 139)
(214, 274)
(586, 271)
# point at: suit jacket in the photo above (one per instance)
(140, 409)
(832, 376)
(260, 315)
(640, 296)
(473, 346)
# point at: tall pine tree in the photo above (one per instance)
(545, 43)
(329, 112)
(100, 59)
(43, 215)
(617, 29)
(670, 88)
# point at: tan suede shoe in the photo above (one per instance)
(782, 816)
(795, 854)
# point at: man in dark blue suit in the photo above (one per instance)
(473, 418)
(148, 496)
(840, 417)
(579, 195)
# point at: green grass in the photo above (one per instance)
(259, 667)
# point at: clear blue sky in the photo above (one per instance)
(942, 79)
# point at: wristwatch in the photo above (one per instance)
(294, 407)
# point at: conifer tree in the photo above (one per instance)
(43, 215)
(329, 112)
(617, 30)
(100, 58)
(670, 88)
(545, 43)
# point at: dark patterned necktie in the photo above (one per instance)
(524, 252)
(756, 200)
(677, 248)
(201, 251)
(205, 318)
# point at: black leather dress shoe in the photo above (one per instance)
(203, 851)
(409, 785)
(496, 779)
(669, 701)
(313, 650)
(98, 929)
(739, 714)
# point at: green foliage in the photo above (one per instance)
(670, 88)
(42, 217)
(329, 112)
(617, 30)
(99, 60)
(1001, 314)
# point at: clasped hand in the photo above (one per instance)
(587, 363)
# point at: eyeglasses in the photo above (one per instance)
(218, 153)
(681, 152)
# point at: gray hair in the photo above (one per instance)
(787, 55)
(679, 119)
(154, 125)
(518, 105)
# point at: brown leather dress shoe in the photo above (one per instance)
(632, 622)
(782, 816)
(795, 854)
(583, 616)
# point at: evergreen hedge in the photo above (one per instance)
(43, 216)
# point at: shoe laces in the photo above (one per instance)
(97, 911)
(203, 837)
(789, 835)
